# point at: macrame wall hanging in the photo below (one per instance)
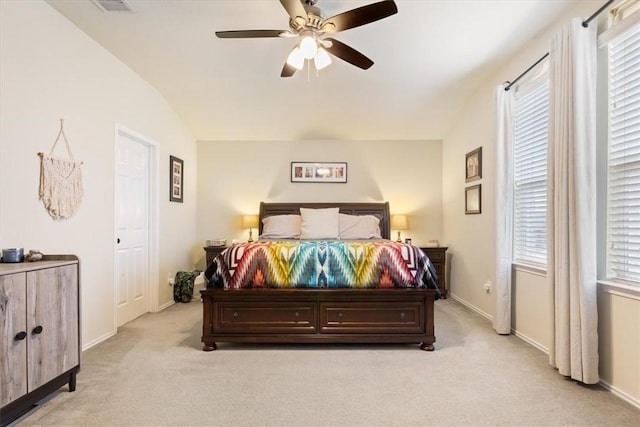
(60, 181)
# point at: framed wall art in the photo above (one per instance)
(176, 178)
(473, 199)
(473, 165)
(329, 172)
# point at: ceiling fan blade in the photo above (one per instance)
(360, 16)
(247, 34)
(348, 54)
(294, 8)
(288, 70)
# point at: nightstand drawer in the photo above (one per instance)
(212, 252)
(434, 254)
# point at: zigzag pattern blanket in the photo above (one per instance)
(322, 264)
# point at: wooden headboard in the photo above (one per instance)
(380, 210)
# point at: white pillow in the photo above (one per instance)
(319, 223)
(281, 227)
(353, 227)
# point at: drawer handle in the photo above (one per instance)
(235, 314)
(20, 336)
(402, 316)
(37, 330)
(297, 314)
(340, 315)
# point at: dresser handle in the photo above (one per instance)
(402, 316)
(297, 314)
(235, 314)
(20, 336)
(340, 315)
(37, 330)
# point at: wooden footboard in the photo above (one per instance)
(318, 316)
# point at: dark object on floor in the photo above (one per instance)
(183, 285)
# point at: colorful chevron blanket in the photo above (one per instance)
(322, 264)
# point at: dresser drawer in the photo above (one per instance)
(272, 317)
(377, 317)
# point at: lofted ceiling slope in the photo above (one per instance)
(429, 58)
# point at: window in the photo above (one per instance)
(530, 173)
(623, 208)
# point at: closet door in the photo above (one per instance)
(52, 323)
(13, 343)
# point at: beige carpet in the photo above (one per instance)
(153, 373)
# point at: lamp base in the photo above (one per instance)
(399, 239)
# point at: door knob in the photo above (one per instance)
(37, 330)
(20, 336)
(118, 240)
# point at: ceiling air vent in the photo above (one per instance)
(113, 5)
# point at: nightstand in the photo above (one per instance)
(438, 257)
(212, 252)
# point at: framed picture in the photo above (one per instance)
(473, 165)
(176, 178)
(332, 172)
(473, 199)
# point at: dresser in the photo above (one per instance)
(39, 331)
(438, 257)
(212, 252)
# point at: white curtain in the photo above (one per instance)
(504, 208)
(571, 215)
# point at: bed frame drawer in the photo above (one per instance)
(371, 317)
(274, 317)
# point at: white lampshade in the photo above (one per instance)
(250, 221)
(322, 59)
(308, 47)
(295, 59)
(399, 222)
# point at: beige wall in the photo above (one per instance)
(234, 177)
(472, 241)
(51, 70)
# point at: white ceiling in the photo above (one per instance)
(429, 58)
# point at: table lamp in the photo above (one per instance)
(399, 222)
(250, 222)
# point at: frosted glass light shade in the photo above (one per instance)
(308, 47)
(295, 59)
(322, 59)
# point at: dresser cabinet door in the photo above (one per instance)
(52, 323)
(13, 327)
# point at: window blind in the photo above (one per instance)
(623, 209)
(530, 175)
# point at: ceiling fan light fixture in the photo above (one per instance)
(295, 59)
(309, 47)
(322, 59)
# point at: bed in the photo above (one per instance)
(267, 302)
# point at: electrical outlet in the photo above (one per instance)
(487, 287)
(171, 278)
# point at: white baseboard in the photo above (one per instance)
(621, 394)
(472, 307)
(166, 305)
(98, 340)
(534, 343)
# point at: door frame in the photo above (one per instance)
(151, 290)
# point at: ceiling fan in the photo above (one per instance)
(307, 22)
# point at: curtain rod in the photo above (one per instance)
(585, 24)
